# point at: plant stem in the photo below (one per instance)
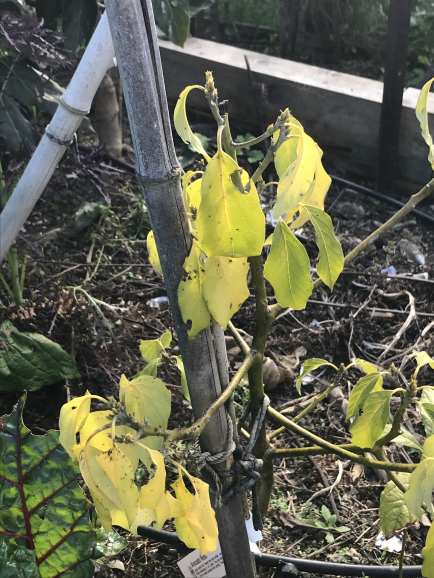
(311, 451)
(197, 428)
(380, 465)
(12, 257)
(256, 382)
(8, 289)
(396, 218)
(312, 404)
(406, 399)
(238, 338)
(270, 130)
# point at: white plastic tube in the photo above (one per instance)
(75, 104)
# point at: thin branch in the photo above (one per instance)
(396, 218)
(270, 130)
(195, 430)
(243, 345)
(381, 465)
(312, 451)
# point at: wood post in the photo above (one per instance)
(135, 40)
(394, 81)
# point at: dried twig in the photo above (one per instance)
(331, 488)
(405, 326)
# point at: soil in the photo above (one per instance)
(109, 260)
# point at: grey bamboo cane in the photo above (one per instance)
(134, 37)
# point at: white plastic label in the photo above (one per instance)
(210, 565)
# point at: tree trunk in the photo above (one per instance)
(135, 40)
(106, 115)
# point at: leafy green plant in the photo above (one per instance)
(330, 524)
(29, 361)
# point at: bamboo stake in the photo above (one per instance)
(75, 104)
(134, 36)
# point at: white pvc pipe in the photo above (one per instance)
(75, 104)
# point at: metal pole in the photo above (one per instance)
(394, 80)
(135, 40)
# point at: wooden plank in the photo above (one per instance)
(394, 82)
(340, 111)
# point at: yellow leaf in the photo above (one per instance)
(181, 123)
(199, 514)
(315, 195)
(182, 528)
(154, 259)
(297, 179)
(422, 358)
(331, 256)
(366, 366)
(104, 513)
(121, 473)
(152, 348)
(287, 152)
(145, 517)
(73, 416)
(153, 495)
(148, 397)
(102, 441)
(288, 269)
(102, 488)
(191, 190)
(422, 482)
(225, 286)
(428, 555)
(229, 222)
(194, 310)
(184, 383)
(422, 116)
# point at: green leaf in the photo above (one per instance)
(255, 156)
(358, 395)
(427, 400)
(151, 349)
(229, 222)
(50, 11)
(172, 17)
(288, 269)
(181, 123)
(428, 555)
(42, 505)
(405, 438)
(147, 397)
(194, 309)
(108, 544)
(17, 561)
(331, 257)
(20, 81)
(326, 514)
(343, 529)
(225, 287)
(422, 358)
(16, 131)
(308, 366)
(422, 482)
(78, 22)
(394, 514)
(366, 366)
(31, 361)
(150, 369)
(184, 384)
(368, 427)
(422, 116)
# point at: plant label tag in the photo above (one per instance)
(210, 565)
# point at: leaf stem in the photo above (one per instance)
(396, 218)
(270, 130)
(238, 338)
(313, 403)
